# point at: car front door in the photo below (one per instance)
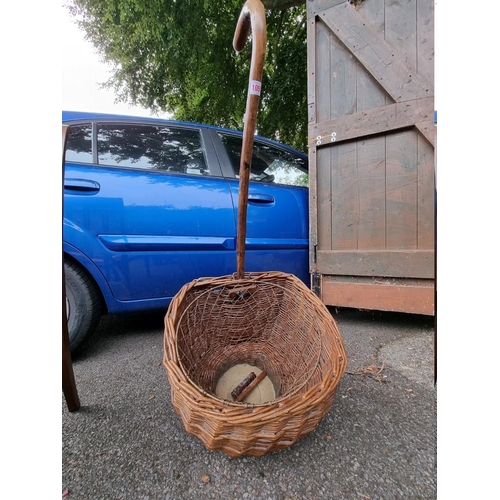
(277, 234)
(149, 206)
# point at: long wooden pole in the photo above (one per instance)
(68, 375)
(252, 16)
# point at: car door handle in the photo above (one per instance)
(260, 198)
(81, 186)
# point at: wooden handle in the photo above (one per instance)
(252, 15)
(243, 385)
(254, 383)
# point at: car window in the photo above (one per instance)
(269, 163)
(79, 144)
(151, 147)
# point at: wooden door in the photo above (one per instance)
(371, 152)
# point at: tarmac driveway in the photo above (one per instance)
(377, 442)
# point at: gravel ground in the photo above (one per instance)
(377, 442)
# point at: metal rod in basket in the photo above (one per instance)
(252, 15)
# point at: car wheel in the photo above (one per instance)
(83, 305)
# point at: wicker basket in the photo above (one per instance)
(269, 320)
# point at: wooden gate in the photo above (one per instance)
(371, 153)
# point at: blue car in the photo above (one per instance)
(151, 204)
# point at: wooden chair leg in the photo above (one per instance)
(68, 376)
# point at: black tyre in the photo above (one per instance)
(83, 304)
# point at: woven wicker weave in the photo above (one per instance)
(270, 320)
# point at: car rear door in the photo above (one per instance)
(148, 205)
(277, 237)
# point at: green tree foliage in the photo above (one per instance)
(177, 56)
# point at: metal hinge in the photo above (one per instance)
(316, 284)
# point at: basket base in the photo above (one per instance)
(230, 379)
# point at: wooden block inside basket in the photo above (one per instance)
(239, 385)
(250, 386)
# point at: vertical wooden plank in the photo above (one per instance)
(326, 164)
(313, 164)
(313, 208)
(343, 70)
(425, 40)
(402, 149)
(323, 106)
(345, 198)
(374, 12)
(371, 168)
(371, 181)
(311, 69)
(401, 27)
(425, 198)
(336, 96)
(323, 78)
(401, 189)
(344, 188)
(371, 152)
(426, 159)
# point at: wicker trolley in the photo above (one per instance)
(253, 359)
